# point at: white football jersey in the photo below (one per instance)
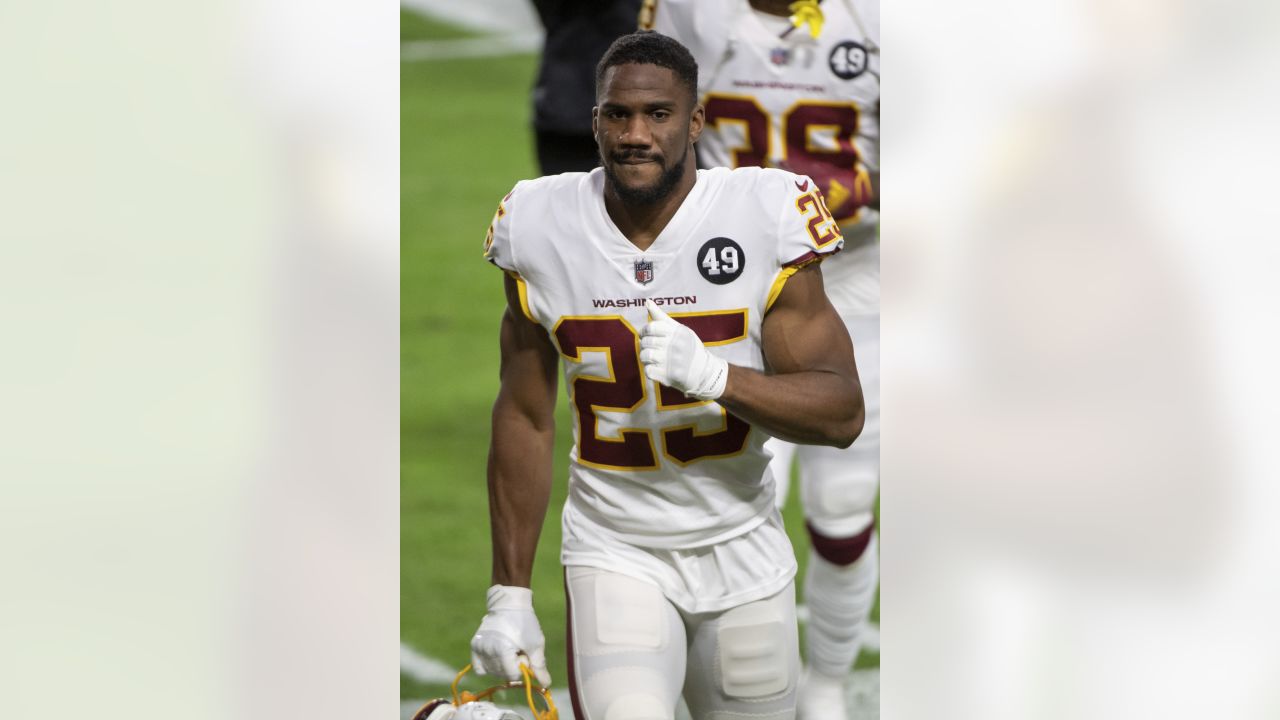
(777, 97)
(649, 464)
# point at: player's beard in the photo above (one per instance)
(652, 193)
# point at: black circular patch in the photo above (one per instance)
(848, 60)
(721, 260)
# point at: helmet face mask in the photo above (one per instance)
(443, 709)
(484, 711)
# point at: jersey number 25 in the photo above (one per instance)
(625, 390)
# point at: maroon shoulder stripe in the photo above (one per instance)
(808, 258)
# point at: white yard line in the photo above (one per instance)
(424, 669)
(511, 27)
(409, 707)
(489, 46)
(488, 16)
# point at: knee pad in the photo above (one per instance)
(628, 692)
(838, 493)
(638, 706)
(755, 660)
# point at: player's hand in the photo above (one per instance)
(673, 355)
(510, 635)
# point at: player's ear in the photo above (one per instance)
(595, 122)
(696, 122)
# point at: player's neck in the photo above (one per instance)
(641, 224)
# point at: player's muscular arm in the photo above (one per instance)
(522, 442)
(811, 392)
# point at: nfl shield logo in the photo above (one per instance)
(644, 271)
(780, 56)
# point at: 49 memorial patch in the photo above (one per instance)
(721, 260)
(848, 60)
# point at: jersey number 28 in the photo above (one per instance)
(828, 165)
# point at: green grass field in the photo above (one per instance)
(465, 140)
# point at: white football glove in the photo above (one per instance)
(673, 355)
(509, 635)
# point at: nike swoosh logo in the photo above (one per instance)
(802, 186)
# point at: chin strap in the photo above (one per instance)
(462, 697)
(550, 713)
(807, 12)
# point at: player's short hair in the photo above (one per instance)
(650, 48)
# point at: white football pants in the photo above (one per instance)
(632, 653)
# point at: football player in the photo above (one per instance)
(687, 311)
(796, 85)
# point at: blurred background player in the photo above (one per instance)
(577, 34)
(797, 86)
